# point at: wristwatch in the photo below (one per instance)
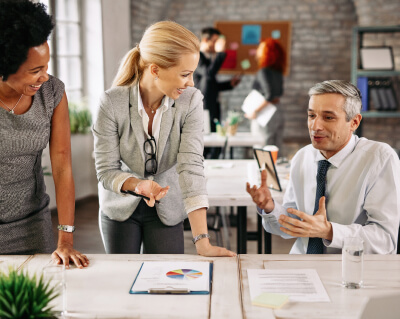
(66, 228)
(198, 237)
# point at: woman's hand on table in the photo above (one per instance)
(204, 248)
(66, 253)
(152, 190)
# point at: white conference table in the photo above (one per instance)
(240, 139)
(226, 187)
(381, 277)
(102, 289)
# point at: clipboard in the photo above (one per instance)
(173, 278)
(265, 157)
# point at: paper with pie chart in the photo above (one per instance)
(194, 276)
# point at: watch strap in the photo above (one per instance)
(66, 228)
(198, 237)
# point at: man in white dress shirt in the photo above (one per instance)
(362, 190)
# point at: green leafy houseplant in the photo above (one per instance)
(23, 296)
(233, 118)
(80, 118)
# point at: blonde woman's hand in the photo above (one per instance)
(204, 248)
(152, 190)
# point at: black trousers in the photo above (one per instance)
(145, 226)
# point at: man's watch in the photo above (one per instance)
(66, 228)
(198, 237)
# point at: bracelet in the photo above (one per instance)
(66, 228)
(198, 237)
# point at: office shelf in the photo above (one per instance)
(357, 43)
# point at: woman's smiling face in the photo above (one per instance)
(173, 81)
(32, 73)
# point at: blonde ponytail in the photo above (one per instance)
(163, 43)
(129, 71)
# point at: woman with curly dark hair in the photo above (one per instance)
(33, 112)
(271, 60)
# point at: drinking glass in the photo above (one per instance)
(55, 276)
(352, 262)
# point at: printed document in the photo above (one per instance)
(253, 101)
(155, 275)
(301, 285)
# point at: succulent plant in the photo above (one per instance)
(24, 296)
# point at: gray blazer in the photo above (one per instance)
(118, 147)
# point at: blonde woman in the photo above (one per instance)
(149, 140)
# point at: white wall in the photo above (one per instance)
(83, 168)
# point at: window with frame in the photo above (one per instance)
(66, 45)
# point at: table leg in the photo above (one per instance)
(267, 243)
(259, 234)
(242, 230)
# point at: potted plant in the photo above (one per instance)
(23, 296)
(80, 118)
(233, 122)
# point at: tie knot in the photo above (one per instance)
(323, 167)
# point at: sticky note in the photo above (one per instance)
(245, 64)
(252, 52)
(276, 34)
(234, 46)
(270, 300)
(251, 34)
(230, 60)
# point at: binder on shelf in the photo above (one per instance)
(362, 84)
(382, 94)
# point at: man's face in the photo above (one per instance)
(210, 43)
(329, 131)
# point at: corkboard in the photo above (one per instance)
(242, 38)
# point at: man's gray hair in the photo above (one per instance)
(352, 105)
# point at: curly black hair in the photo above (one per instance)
(23, 25)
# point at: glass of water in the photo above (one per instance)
(352, 262)
(55, 276)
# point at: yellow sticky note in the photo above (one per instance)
(270, 300)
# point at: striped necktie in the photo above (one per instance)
(315, 245)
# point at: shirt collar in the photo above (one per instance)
(340, 156)
(164, 103)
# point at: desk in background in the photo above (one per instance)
(240, 139)
(226, 186)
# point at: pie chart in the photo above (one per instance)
(184, 274)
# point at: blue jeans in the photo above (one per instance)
(145, 226)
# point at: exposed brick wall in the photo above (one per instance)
(321, 38)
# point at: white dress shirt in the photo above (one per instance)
(362, 196)
(157, 117)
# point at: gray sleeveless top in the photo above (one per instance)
(25, 221)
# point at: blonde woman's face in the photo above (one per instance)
(173, 81)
